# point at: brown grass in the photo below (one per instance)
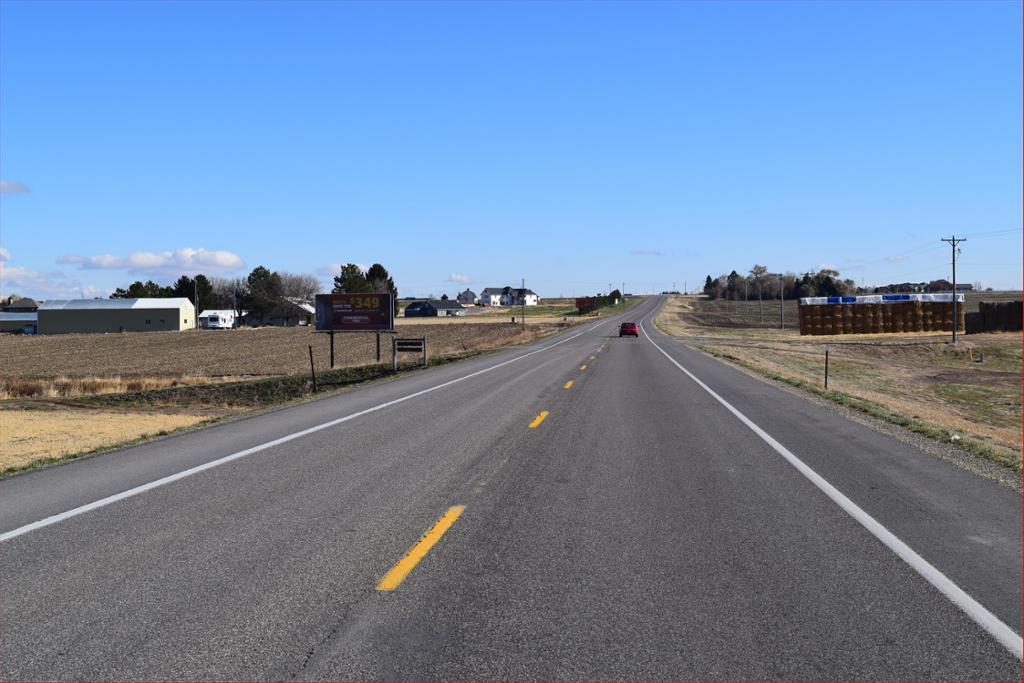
(919, 376)
(31, 436)
(43, 417)
(68, 387)
(197, 354)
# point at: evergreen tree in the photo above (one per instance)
(351, 280)
(380, 281)
(263, 297)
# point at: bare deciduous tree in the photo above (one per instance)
(299, 286)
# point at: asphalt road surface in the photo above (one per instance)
(586, 507)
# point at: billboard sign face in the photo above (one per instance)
(362, 312)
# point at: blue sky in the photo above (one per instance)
(573, 144)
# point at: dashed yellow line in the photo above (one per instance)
(537, 420)
(567, 385)
(583, 367)
(405, 565)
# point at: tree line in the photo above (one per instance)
(760, 284)
(263, 293)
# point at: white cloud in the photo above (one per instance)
(896, 258)
(4, 254)
(646, 252)
(332, 269)
(13, 187)
(52, 285)
(832, 266)
(185, 259)
(455, 277)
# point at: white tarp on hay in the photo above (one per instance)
(944, 297)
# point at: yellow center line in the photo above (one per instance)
(405, 565)
(568, 384)
(537, 420)
(583, 367)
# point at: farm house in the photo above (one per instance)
(64, 316)
(434, 308)
(509, 296)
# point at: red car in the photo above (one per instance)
(626, 329)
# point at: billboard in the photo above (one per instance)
(362, 312)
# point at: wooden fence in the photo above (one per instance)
(995, 317)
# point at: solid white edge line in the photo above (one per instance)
(1005, 635)
(136, 490)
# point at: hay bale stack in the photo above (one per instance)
(927, 317)
(899, 315)
(875, 318)
(816, 321)
(916, 317)
(909, 312)
(826, 319)
(858, 319)
(846, 311)
(886, 318)
(947, 315)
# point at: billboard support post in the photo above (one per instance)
(312, 368)
(332, 349)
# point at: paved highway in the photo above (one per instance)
(586, 507)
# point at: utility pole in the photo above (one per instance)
(953, 241)
(195, 282)
(782, 304)
(523, 291)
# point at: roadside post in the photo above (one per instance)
(523, 290)
(312, 368)
(826, 366)
(332, 349)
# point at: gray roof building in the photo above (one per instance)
(433, 308)
(21, 305)
(59, 316)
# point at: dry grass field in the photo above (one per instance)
(260, 352)
(972, 390)
(57, 392)
(30, 436)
